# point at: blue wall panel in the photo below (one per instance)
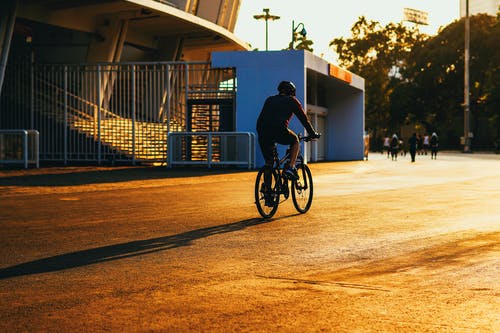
(259, 73)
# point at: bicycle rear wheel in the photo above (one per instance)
(267, 201)
(302, 189)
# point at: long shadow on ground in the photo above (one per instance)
(123, 250)
(62, 177)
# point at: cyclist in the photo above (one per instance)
(272, 127)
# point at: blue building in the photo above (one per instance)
(332, 97)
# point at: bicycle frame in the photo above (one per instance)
(279, 163)
(271, 183)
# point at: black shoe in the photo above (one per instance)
(291, 172)
(269, 200)
(286, 190)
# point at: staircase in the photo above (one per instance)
(142, 140)
(139, 140)
(139, 105)
(204, 118)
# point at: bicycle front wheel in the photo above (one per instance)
(267, 200)
(302, 189)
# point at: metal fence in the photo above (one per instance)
(112, 111)
(19, 147)
(219, 148)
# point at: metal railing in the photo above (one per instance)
(213, 148)
(19, 146)
(110, 111)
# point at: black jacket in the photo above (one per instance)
(277, 112)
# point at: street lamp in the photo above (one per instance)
(467, 134)
(303, 32)
(266, 16)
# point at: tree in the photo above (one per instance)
(411, 78)
(379, 54)
(301, 43)
(436, 81)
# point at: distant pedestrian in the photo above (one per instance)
(394, 147)
(402, 147)
(413, 145)
(420, 144)
(387, 146)
(426, 143)
(366, 140)
(434, 145)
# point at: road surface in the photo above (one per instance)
(386, 247)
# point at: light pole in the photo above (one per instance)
(266, 16)
(303, 32)
(467, 134)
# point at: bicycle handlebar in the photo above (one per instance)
(309, 138)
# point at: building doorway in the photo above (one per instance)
(317, 115)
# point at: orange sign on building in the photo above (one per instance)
(339, 73)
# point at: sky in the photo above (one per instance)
(325, 20)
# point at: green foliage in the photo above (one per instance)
(411, 78)
(436, 78)
(301, 43)
(379, 54)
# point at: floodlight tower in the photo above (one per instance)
(416, 16)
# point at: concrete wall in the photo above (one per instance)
(345, 124)
(259, 73)
(345, 120)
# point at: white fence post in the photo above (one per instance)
(209, 155)
(65, 92)
(99, 87)
(37, 147)
(25, 148)
(133, 114)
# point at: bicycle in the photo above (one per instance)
(268, 200)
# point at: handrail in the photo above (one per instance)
(250, 155)
(25, 134)
(79, 99)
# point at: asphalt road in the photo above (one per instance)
(386, 247)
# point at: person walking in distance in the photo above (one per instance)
(413, 143)
(394, 147)
(387, 146)
(402, 147)
(272, 127)
(420, 144)
(434, 145)
(366, 146)
(426, 144)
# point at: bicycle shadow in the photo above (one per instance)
(124, 250)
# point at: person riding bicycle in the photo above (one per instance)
(272, 126)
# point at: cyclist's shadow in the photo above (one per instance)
(124, 250)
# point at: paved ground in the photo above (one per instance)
(387, 247)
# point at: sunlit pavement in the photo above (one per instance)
(388, 246)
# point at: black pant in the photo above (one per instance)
(413, 152)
